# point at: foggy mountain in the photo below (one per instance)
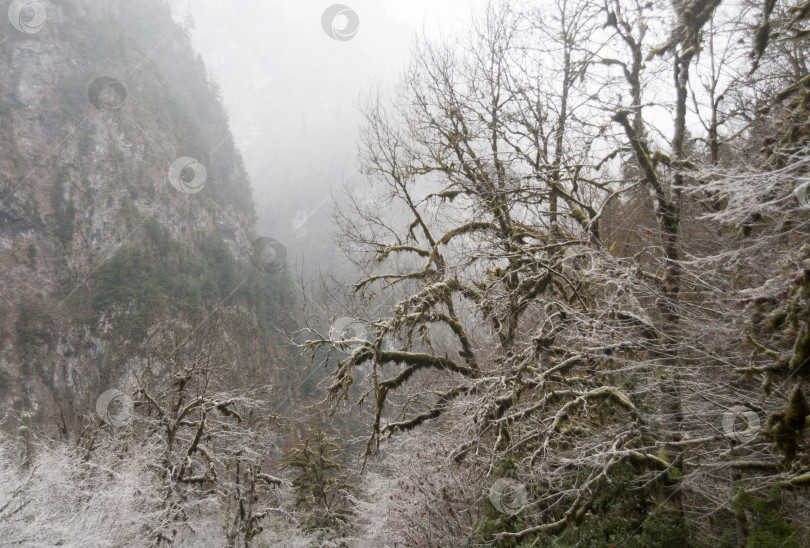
(292, 93)
(425, 274)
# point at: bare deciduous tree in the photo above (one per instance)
(506, 164)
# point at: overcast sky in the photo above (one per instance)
(292, 91)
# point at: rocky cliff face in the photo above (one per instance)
(124, 205)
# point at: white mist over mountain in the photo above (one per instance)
(292, 93)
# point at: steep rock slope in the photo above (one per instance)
(105, 240)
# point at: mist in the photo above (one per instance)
(293, 95)
(419, 273)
